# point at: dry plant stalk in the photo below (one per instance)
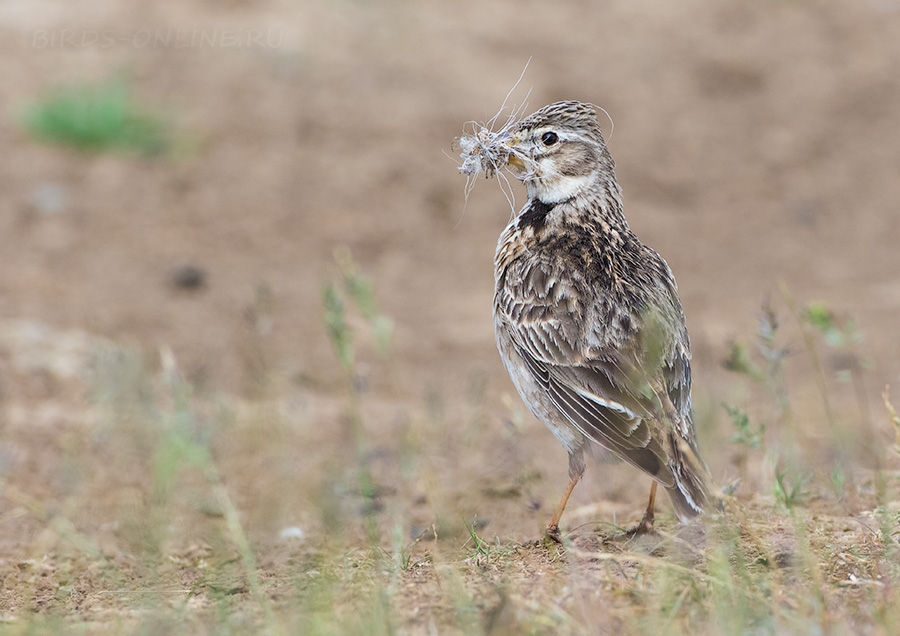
(892, 413)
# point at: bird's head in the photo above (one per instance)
(559, 151)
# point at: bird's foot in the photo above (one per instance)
(642, 529)
(645, 527)
(552, 535)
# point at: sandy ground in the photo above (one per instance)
(758, 145)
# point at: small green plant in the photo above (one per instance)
(838, 333)
(96, 117)
(179, 450)
(838, 481)
(403, 554)
(790, 496)
(745, 434)
(769, 371)
(892, 414)
(483, 551)
(738, 361)
(336, 325)
(356, 287)
(359, 287)
(480, 547)
(842, 337)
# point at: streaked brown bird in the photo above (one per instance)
(588, 319)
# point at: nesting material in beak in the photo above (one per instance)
(485, 151)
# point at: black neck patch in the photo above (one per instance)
(535, 216)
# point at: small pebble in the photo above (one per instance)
(188, 277)
(292, 532)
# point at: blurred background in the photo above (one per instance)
(755, 145)
(188, 177)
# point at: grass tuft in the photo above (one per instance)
(96, 117)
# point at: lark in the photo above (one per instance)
(587, 318)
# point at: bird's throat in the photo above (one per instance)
(556, 189)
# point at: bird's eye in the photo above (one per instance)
(549, 138)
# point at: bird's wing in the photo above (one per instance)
(605, 382)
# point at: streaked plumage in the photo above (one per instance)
(587, 318)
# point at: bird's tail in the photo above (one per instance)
(692, 491)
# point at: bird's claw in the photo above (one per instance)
(642, 529)
(552, 535)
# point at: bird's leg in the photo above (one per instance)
(576, 470)
(553, 528)
(646, 524)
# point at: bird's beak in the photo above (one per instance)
(513, 159)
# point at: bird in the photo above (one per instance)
(587, 318)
